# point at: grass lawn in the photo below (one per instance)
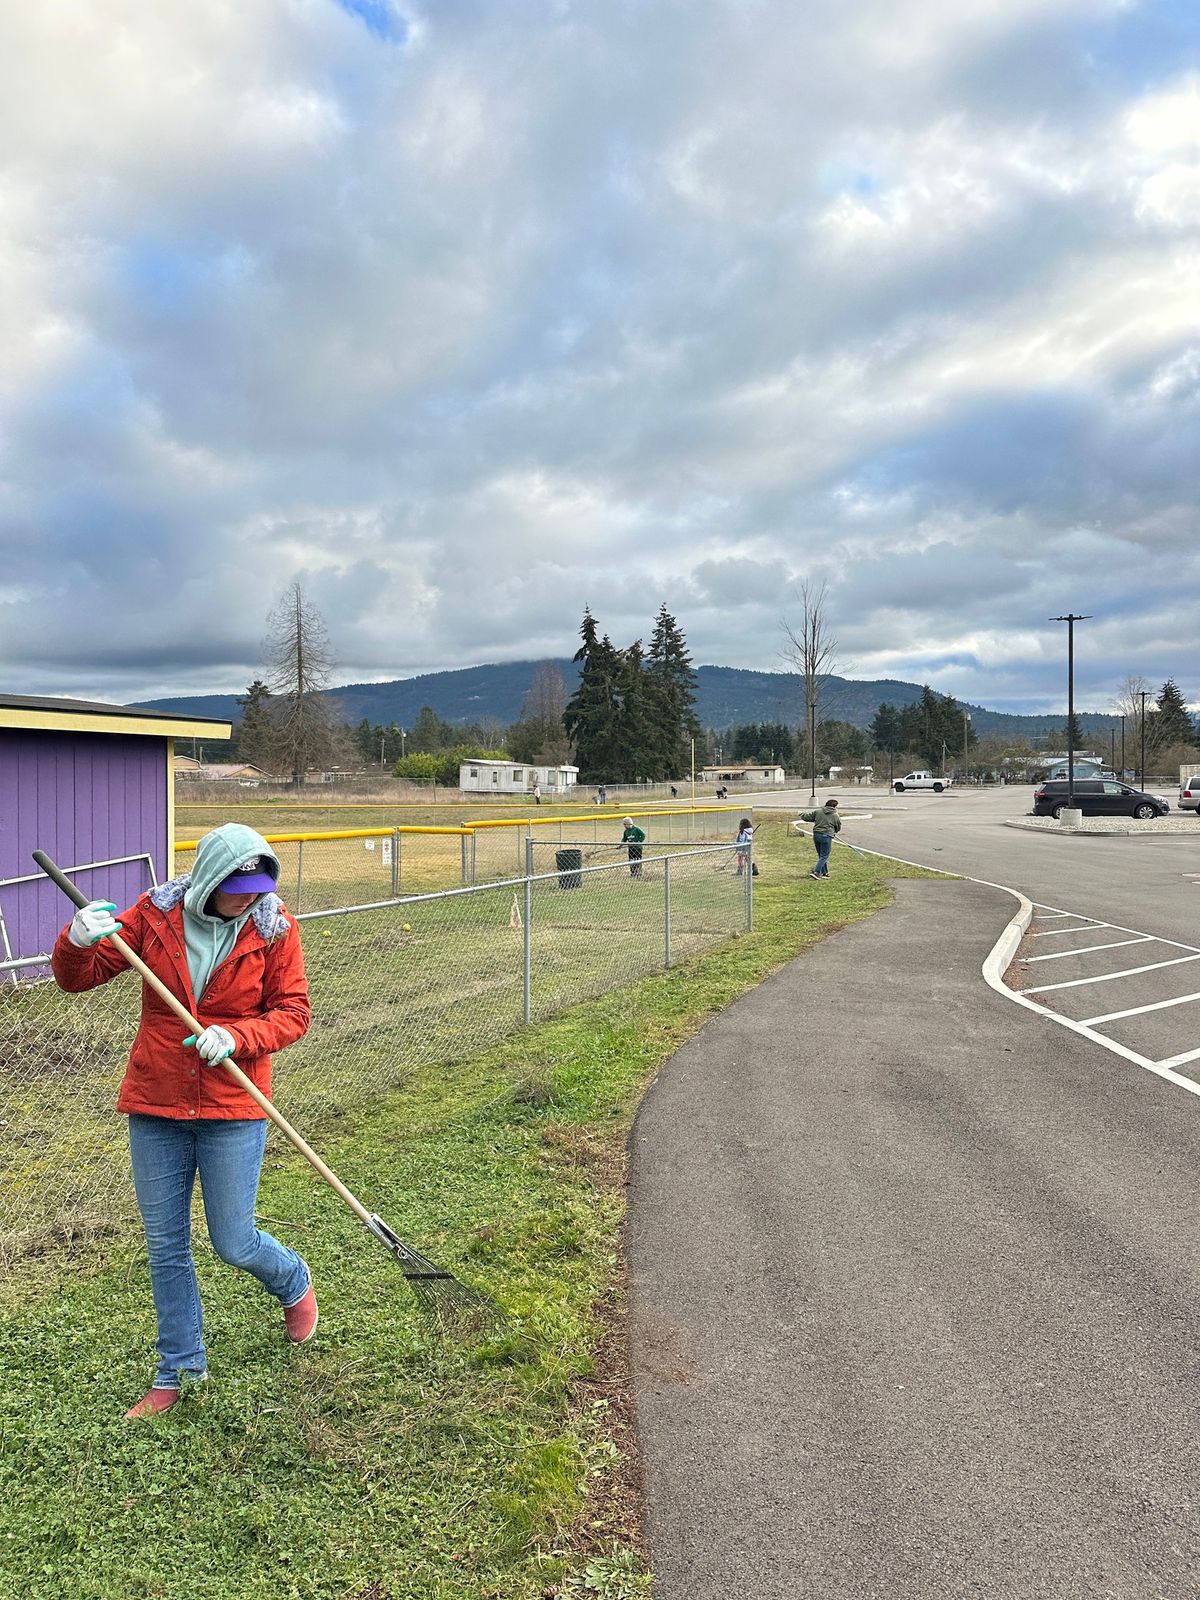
(383, 1462)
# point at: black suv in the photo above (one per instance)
(1097, 797)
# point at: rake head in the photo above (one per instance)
(439, 1294)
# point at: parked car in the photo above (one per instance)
(1098, 799)
(1189, 794)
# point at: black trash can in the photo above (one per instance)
(570, 868)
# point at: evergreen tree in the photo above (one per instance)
(636, 733)
(671, 684)
(256, 731)
(429, 733)
(1173, 724)
(592, 713)
(887, 735)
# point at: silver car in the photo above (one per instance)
(1189, 794)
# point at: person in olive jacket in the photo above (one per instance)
(635, 838)
(825, 824)
(220, 938)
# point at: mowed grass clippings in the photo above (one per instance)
(384, 1460)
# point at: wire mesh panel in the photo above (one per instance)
(396, 985)
(63, 1150)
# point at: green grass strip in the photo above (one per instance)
(382, 1462)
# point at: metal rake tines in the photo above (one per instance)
(438, 1292)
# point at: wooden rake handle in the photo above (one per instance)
(228, 1065)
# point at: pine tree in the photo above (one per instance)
(671, 685)
(636, 732)
(255, 732)
(1173, 724)
(592, 714)
(429, 733)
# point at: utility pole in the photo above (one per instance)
(1070, 619)
(1122, 773)
(1142, 779)
(966, 724)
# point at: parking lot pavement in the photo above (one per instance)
(914, 1288)
(1133, 991)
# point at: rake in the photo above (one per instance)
(438, 1292)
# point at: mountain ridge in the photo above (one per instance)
(726, 697)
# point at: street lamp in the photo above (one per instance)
(1070, 619)
(1142, 779)
(966, 725)
(1122, 747)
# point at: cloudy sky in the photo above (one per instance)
(468, 313)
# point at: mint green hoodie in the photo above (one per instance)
(211, 938)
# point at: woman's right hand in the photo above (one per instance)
(93, 922)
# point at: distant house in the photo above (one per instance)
(1086, 765)
(220, 771)
(91, 785)
(743, 775)
(515, 777)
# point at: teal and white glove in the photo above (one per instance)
(93, 922)
(213, 1045)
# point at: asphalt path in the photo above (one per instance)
(913, 1279)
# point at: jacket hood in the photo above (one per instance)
(217, 855)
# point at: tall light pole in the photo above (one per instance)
(1142, 779)
(1070, 619)
(1122, 747)
(966, 724)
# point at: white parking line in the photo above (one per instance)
(1108, 977)
(1057, 933)
(1086, 949)
(1178, 1061)
(1138, 1011)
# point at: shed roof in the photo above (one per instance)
(34, 712)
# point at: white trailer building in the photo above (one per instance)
(516, 777)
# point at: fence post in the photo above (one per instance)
(666, 911)
(528, 953)
(529, 858)
(299, 877)
(395, 862)
(473, 838)
(520, 844)
(750, 888)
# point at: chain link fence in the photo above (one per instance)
(322, 871)
(395, 985)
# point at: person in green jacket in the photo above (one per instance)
(825, 824)
(635, 839)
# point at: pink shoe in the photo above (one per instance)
(151, 1403)
(300, 1320)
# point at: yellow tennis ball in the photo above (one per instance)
(408, 927)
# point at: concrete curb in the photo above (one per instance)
(1106, 830)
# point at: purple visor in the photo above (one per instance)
(251, 877)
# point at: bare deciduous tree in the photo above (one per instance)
(812, 652)
(299, 662)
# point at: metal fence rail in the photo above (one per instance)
(395, 985)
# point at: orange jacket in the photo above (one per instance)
(259, 993)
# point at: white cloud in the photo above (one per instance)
(499, 310)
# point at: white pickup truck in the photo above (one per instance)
(921, 780)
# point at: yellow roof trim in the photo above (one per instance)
(81, 722)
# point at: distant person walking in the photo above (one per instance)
(825, 824)
(601, 796)
(537, 794)
(635, 839)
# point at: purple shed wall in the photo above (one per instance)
(79, 797)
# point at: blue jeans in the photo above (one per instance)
(824, 844)
(167, 1153)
